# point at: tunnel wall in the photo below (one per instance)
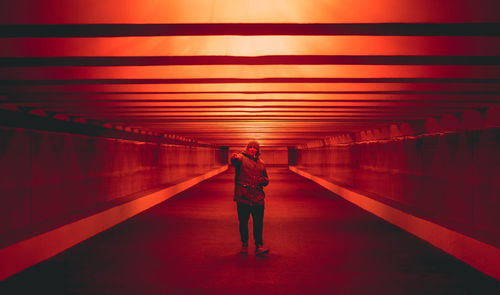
(47, 176)
(439, 180)
(450, 178)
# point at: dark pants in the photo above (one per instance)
(257, 212)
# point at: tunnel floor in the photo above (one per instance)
(320, 244)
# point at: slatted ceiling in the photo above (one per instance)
(222, 72)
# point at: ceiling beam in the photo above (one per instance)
(251, 29)
(91, 61)
(249, 80)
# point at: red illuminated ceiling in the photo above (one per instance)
(221, 72)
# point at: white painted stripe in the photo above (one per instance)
(24, 254)
(477, 254)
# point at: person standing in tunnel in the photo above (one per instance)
(250, 179)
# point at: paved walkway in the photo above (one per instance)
(320, 244)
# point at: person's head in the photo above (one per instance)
(253, 148)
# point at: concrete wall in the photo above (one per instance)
(445, 171)
(453, 178)
(439, 180)
(46, 176)
(275, 156)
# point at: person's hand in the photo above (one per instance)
(236, 156)
(262, 181)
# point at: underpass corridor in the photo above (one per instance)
(320, 244)
(378, 122)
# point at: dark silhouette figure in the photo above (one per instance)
(250, 179)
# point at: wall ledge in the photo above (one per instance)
(23, 254)
(477, 254)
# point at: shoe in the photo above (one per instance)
(260, 250)
(244, 248)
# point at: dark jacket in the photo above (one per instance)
(250, 179)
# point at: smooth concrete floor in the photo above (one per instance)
(320, 244)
